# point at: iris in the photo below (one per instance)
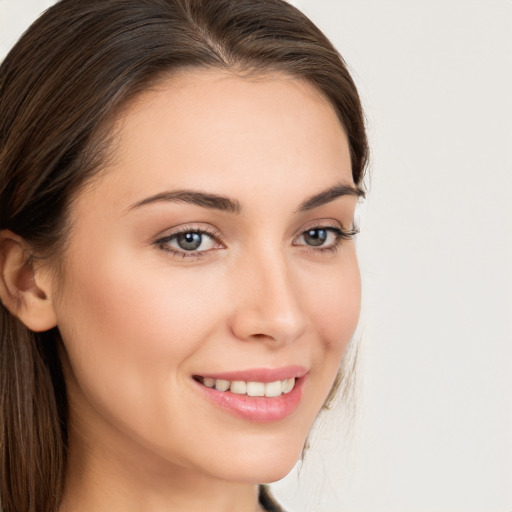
(189, 241)
(315, 236)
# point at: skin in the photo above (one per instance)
(139, 321)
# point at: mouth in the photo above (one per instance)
(249, 388)
(257, 395)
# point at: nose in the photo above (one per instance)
(268, 302)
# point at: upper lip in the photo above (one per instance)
(260, 374)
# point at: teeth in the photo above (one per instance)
(287, 385)
(240, 387)
(222, 385)
(256, 389)
(208, 382)
(273, 388)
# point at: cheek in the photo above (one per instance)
(335, 309)
(127, 300)
(127, 325)
(335, 305)
(132, 330)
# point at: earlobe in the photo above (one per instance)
(22, 293)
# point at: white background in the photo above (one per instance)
(434, 428)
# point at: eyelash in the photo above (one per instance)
(163, 243)
(339, 233)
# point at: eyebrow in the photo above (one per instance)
(328, 195)
(206, 200)
(226, 204)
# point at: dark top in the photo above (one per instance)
(267, 501)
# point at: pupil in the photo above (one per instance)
(315, 236)
(189, 241)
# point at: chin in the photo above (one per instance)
(259, 464)
(263, 472)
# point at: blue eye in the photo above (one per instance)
(188, 242)
(324, 238)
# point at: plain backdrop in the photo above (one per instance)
(433, 429)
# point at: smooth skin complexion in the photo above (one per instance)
(217, 239)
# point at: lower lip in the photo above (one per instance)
(257, 408)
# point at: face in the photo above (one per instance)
(214, 250)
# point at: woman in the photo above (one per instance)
(178, 276)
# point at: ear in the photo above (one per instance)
(25, 292)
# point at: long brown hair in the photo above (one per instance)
(60, 87)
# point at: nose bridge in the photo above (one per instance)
(270, 304)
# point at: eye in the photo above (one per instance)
(189, 242)
(192, 241)
(317, 236)
(324, 238)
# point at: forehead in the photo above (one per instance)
(224, 132)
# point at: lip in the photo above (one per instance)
(261, 374)
(257, 409)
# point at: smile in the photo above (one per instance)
(255, 389)
(259, 395)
